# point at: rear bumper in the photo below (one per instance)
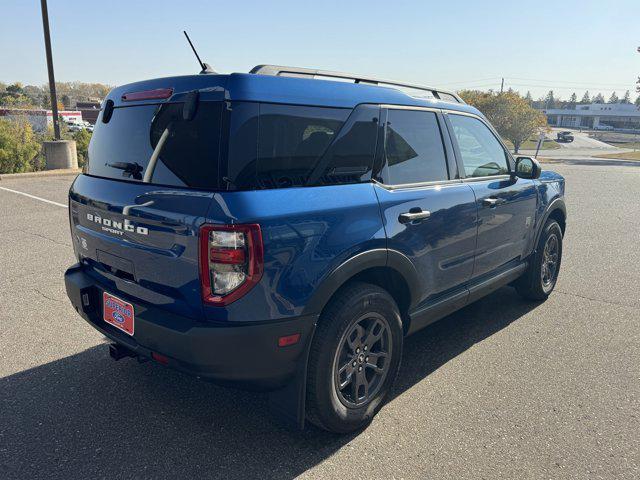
(246, 355)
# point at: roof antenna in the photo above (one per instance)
(206, 68)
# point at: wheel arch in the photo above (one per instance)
(556, 210)
(388, 269)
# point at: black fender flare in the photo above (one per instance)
(379, 257)
(289, 402)
(555, 204)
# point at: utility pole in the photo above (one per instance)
(59, 153)
(502, 86)
(52, 80)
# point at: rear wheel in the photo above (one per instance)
(541, 275)
(355, 358)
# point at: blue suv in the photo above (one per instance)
(285, 229)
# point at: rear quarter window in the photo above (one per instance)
(280, 146)
(291, 139)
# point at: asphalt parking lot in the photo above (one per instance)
(502, 389)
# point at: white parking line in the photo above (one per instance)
(34, 197)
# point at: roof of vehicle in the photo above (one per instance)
(281, 89)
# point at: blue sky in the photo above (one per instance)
(565, 45)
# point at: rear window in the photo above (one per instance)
(188, 157)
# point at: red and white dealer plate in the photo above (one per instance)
(118, 313)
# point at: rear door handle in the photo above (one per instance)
(492, 202)
(415, 214)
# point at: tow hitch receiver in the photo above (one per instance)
(117, 351)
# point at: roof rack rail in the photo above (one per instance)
(282, 71)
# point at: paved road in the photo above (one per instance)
(581, 140)
(502, 389)
(581, 147)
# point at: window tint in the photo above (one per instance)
(349, 159)
(122, 148)
(279, 146)
(291, 139)
(243, 146)
(414, 149)
(482, 154)
(192, 147)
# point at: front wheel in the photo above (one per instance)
(355, 358)
(541, 275)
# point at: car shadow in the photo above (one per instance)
(85, 416)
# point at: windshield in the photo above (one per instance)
(188, 156)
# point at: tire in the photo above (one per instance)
(541, 275)
(361, 321)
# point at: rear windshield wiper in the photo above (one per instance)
(189, 109)
(130, 169)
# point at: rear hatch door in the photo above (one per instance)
(135, 229)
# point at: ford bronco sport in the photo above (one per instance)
(285, 229)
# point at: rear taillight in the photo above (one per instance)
(231, 261)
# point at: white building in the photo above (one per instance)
(40, 119)
(605, 116)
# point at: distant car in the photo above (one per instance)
(602, 126)
(75, 127)
(565, 136)
(89, 128)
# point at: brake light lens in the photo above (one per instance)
(231, 261)
(156, 94)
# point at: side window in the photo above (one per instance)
(482, 154)
(413, 148)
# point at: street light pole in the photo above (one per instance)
(52, 80)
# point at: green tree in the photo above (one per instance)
(14, 96)
(82, 139)
(626, 98)
(573, 99)
(19, 146)
(15, 89)
(549, 100)
(510, 114)
(598, 98)
(637, 102)
(586, 98)
(613, 98)
(528, 98)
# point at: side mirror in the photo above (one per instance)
(527, 167)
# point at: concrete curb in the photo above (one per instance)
(43, 173)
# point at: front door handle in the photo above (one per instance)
(413, 215)
(492, 202)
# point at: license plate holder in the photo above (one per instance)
(118, 313)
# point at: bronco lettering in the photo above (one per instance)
(116, 227)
